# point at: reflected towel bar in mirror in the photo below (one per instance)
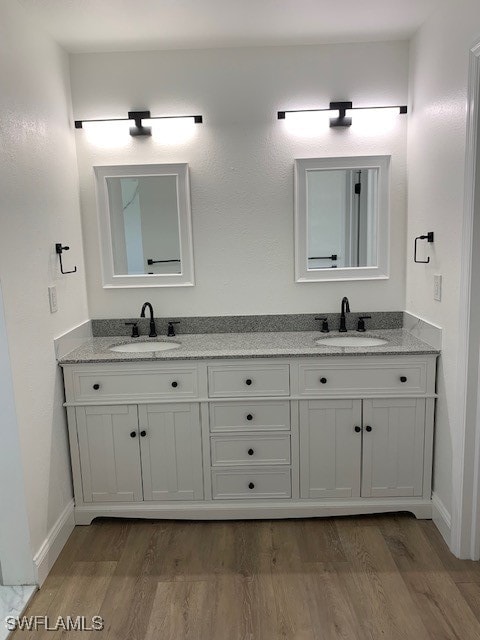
(151, 261)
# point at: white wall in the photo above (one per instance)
(241, 166)
(38, 207)
(436, 170)
(16, 565)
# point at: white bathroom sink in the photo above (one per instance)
(351, 341)
(144, 347)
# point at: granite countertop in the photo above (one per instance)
(248, 345)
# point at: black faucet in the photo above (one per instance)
(153, 329)
(345, 309)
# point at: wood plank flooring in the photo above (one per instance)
(360, 578)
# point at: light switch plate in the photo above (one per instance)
(437, 287)
(52, 298)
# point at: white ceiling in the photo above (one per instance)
(127, 25)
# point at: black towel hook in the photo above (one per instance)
(429, 238)
(59, 250)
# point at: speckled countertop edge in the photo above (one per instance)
(248, 345)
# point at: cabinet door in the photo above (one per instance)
(393, 447)
(330, 448)
(109, 455)
(171, 449)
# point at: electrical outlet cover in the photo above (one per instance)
(52, 298)
(437, 287)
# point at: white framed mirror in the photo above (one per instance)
(145, 225)
(341, 218)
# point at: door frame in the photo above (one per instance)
(465, 529)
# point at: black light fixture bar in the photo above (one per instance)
(342, 107)
(139, 129)
(138, 116)
(341, 120)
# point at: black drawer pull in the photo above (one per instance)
(403, 378)
(174, 384)
(133, 434)
(251, 485)
(249, 417)
(250, 452)
(248, 382)
(143, 433)
(358, 429)
(368, 429)
(96, 386)
(323, 380)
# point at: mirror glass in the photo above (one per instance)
(145, 225)
(341, 218)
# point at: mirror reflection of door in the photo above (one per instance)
(342, 218)
(144, 221)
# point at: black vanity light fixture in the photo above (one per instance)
(341, 119)
(137, 117)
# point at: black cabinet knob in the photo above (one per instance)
(143, 433)
(133, 434)
(251, 485)
(249, 417)
(358, 429)
(368, 429)
(96, 386)
(323, 380)
(174, 384)
(248, 382)
(250, 452)
(403, 378)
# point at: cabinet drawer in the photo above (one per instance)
(248, 380)
(249, 416)
(251, 484)
(359, 379)
(250, 450)
(107, 385)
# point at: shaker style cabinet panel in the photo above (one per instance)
(250, 449)
(399, 379)
(378, 442)
(233, 381)
(114, 385)
(251, 484)
(330, 448)
(109, 450)
(393, 447)
(171, 451)
(261, 415)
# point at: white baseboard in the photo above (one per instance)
(442, 519)
(46, 556)
(250, 510)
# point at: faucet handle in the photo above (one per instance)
(324, 321)
(134, 325)
(361, 323)
(171, 328)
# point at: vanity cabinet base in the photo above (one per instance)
(264, 510)
(276, 438)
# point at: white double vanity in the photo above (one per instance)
(250, 425)
(199, 432)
